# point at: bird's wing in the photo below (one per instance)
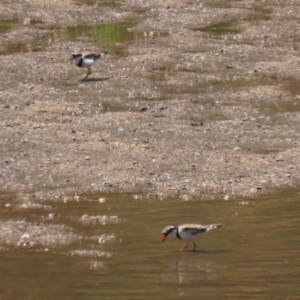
(194, 229)
(92, 55)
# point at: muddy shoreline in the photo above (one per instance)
(182, 108)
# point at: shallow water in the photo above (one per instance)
(111, 36)
(96, 3)
(106, 35)
(220, 28)
(255, 256)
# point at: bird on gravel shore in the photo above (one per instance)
(188, 232)
(86, 60)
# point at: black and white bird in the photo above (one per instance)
(86, 60)
(188, 232)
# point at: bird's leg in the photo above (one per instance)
(194, 246)
(187, 244)
(87, 74)
(85, 77)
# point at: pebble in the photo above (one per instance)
(102, 200)
(244, 203)
(185, 197)
(25, 236)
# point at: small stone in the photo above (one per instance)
(278, 158)
(25, 236)
(195, 124)
(102, 200)
(185, 197)
(51, 215)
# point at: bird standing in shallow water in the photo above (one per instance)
(188, 232)
(86, 60)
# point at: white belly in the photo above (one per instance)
(189, 236)
(88, 62)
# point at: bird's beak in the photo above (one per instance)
(164, 237)
(71, 57)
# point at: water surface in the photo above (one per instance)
(255, 256)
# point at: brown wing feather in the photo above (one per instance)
(91, 55)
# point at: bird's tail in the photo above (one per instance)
(213, 226)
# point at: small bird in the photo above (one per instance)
(86, 60)
(188, 232)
